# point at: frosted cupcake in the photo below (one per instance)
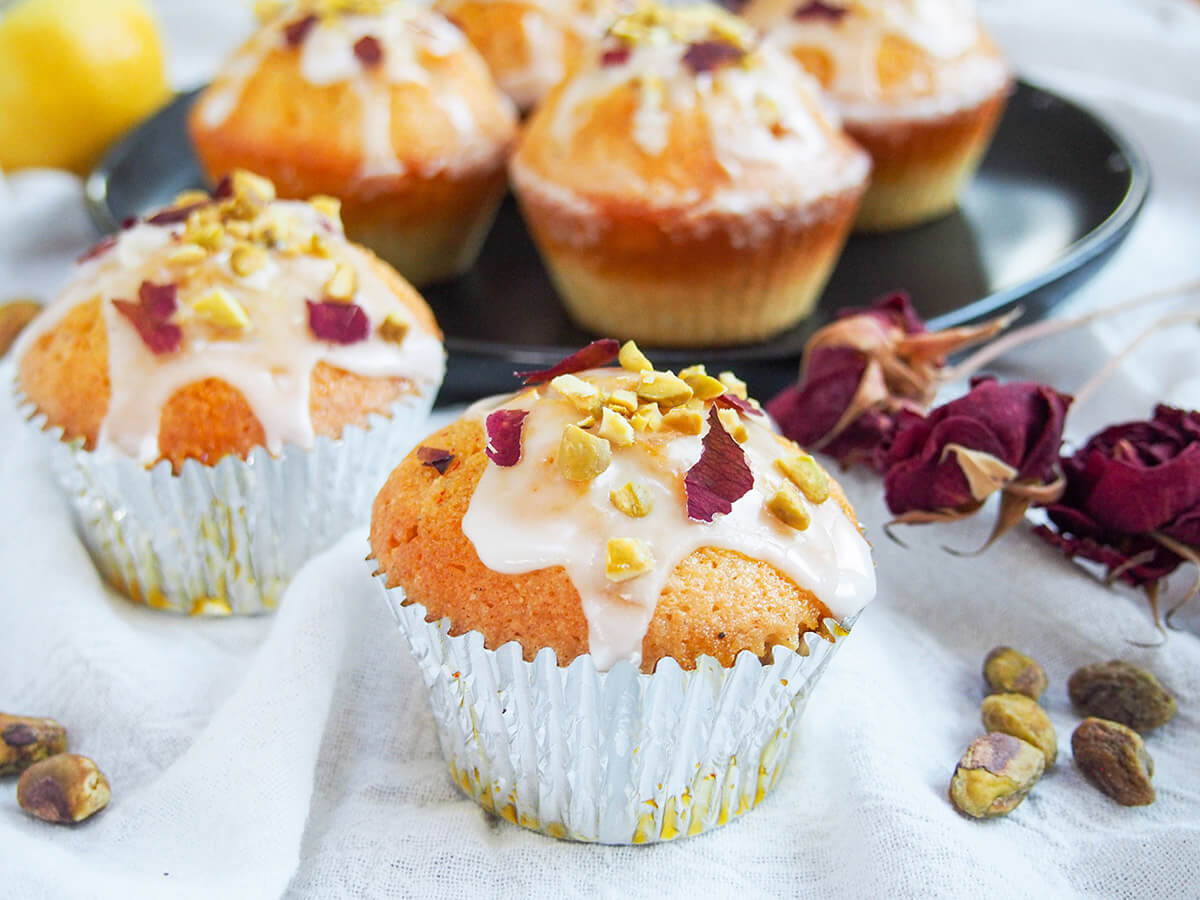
(686, 186)
(620, 586)
(224, 384)
(918, 84)
(384, 105)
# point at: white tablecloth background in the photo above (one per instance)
(296, 754)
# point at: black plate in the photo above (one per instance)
(1055, 195)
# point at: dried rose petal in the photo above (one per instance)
(704, 56)
(435, 458)
(504, 436)
(368, 50)
(128, 222)
(597, 353)
(733, 401)
(720, 476)
(99, 249)
(224, 188)
(817, 10)
(295, 32)
(614, 56)
(338, 323)
(150, 316)
(174, 215)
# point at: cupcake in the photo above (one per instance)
(530, 45)
(685, 185)
(384, 105)
(224, 386)
(620, 585)
(918, 85)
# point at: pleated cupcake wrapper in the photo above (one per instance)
(226, 539)
(616, 757)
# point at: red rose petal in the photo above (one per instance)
(435, 458)
(150, 316)
(338, 323)
(504, 428)
(224, 188)
(614, 56)
(720, 477)
(368, 50)
(99, 249)
(295, 32)
(704, 56)
(818, 10)
(597, 353)
(174, 215)
(733, 401)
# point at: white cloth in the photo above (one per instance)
(296, 754)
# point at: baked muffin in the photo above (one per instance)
(687, 186)
(618, 521)
(384, 105)
(224, 383)
(530, 45)
(919, 85)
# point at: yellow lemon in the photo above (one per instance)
(74, 75)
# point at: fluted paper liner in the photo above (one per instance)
(226, 539)
(617, 757)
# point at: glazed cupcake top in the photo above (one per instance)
(249, 290)
(880, 58)
(617, 475)
(371, 47)
(684, 106)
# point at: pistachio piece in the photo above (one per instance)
(627, 558)
(994, 775)
(393, 329)
(63, 789)
(582, 456)
(1008, 672)
(802, 470)
(1121, 692)
(663, 388)
(246, 259)
(704, 387)
(1114, 759)
(330, 207)
(220, 308)
(186, 255)
(732, 422)
(583, 395)
(633, 499)
(206, 234)
(615, 428)
(733, 384)
(689, 421)
(1021, 717)
(647, 418)
(14, 316)
(343, 284)
(24, 740)
(689, 371)
(632, 359)
(788, 507)
(190, 198)
(622, 400)
(252, 190)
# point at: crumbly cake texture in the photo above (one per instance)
(384, 105)
(715, 601)
(245, 280)
(687, 166)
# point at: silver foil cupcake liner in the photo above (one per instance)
(616, 757)
(226, 539)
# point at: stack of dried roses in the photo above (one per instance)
(1129, 499)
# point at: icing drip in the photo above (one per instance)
(219, 102)
(529, 517)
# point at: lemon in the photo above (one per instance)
(74, 75)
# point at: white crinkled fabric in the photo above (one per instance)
(296, 754)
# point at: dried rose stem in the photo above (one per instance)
(1090, 386)
(1014, 339)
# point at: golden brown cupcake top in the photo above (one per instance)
(887, 58)
(683, 108)
(240, 287)
(618, 475)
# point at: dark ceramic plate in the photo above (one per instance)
(1055, 195)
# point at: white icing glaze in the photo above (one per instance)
(271, 364)
(528, 517)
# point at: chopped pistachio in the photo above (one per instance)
(583, 395)
(733, 424)
(247, 259)
(647, 418)
(627, 558)
(393, 329)
(615, 428)
(788, 507)
(582, 456)
(190, 198)
(330, 207)
(632, 499)
(343, 284)
(697, 369)
(206, 234)
(733, 384)
(242, 231)
(252, 188)
(623, 400)
(220, 308)
(703, 386)
(186, 254)
(316, 247)
(587, 422)
(689, 421)
(632, 359)
(664, 388)
(802, 470)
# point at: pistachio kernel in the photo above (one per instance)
(246, 259)
(994, 775)
(622, 399)
(632, 359)
(633, 499)
(252, 189)
(316, 246)
(695, 369)
(704, 387)
(582, 456)
(219, 307)
(190, 198)
(688, 421)
(615, 428)
(63, 789)
(1121, 692)
(583, 395)
(393, 329)
(343, 284)
(647, 418)
(186, 255)
(330, 207)
(627, 558)
(802, 470)
(1007, 671)
(663, 388)
(733, 384)
(1021, 717)
(1113, 757)
(204, 234)
(733, 424)
(788, 507)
